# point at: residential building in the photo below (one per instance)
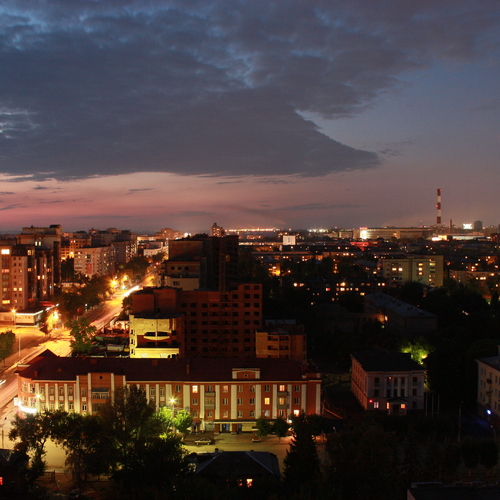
(95, 261)
(237, 467)
(155, 335)
(388, 381)
(281, 339)
(398, 316)
(222, 395)
(425, 269)
(214, 323)
(488, 386)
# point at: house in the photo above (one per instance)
(237, 467)
(388, 381)
(222, 394)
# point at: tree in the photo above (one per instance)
(32, 433)
(83, 334)
(469, 449)
(7, 339)
(183, 421)
(488, 452)
(87, 446)
(131, 422)
(280, 428)
(301, 464)
(263, 427)
(451, 461)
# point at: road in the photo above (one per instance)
(30, 342)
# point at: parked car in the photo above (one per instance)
(256, 439)
(203, 441)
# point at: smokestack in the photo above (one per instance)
(438, 208)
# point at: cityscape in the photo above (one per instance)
(250, 250)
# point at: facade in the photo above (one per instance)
(281, 340)
(95, 261)
(388, 381)
(488, 386)
(223, 395)
(398, 316)
(214, 324)
(427, 270)
(155, 335)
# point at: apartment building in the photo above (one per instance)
(488, 386)
(281, 339)
(387, 381)
(425, 269)
(95, 261)
(223, 395)
(214, 323)
(398, 316)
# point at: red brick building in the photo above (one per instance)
(224, 395)
(212, 323)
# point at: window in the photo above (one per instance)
(152, 392)
(296, 401)
(84, 406)
(267, 413)
(51, 390)
(240, 414)
(162, 391)
(282, 388)
(252, 413)
(177, 388)
(376, 404)
(376, 380)
(194, 401)
(240, 401)
(61, 391)
(71, 406)
(195, 389)
(281, 413)
(225, 414)
(252, 388)
(414, 392)
(84, 392)
(252, 401)
(281, 401)
(267, 401)
(70, 390)
(225, 401)
(210, 388)
(376, 393)
(240, 388)
(296, 388)
(267, 388)
(210, 414)
(225, 388)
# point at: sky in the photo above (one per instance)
(144, 114)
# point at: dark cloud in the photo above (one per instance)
(6, 192)
(318, 206)
(13, 207)
(130, 191)
(208, 88)
(53, 201)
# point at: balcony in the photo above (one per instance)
(156, 335)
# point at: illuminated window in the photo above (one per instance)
(267, 401)
(225, 388)
(403, 406)
(376, 404)
(282, 388)
(195, 389)
(225, 414)
(5, 251)
(296, 412)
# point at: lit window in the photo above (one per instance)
(267, 401)
(225, 388)
(376, 404)
(195, 389)
(282, 388)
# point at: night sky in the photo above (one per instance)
(312, 113)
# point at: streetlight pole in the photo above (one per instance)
(459, 420)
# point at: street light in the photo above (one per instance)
(172, 402)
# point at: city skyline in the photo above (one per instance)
(166, 114)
